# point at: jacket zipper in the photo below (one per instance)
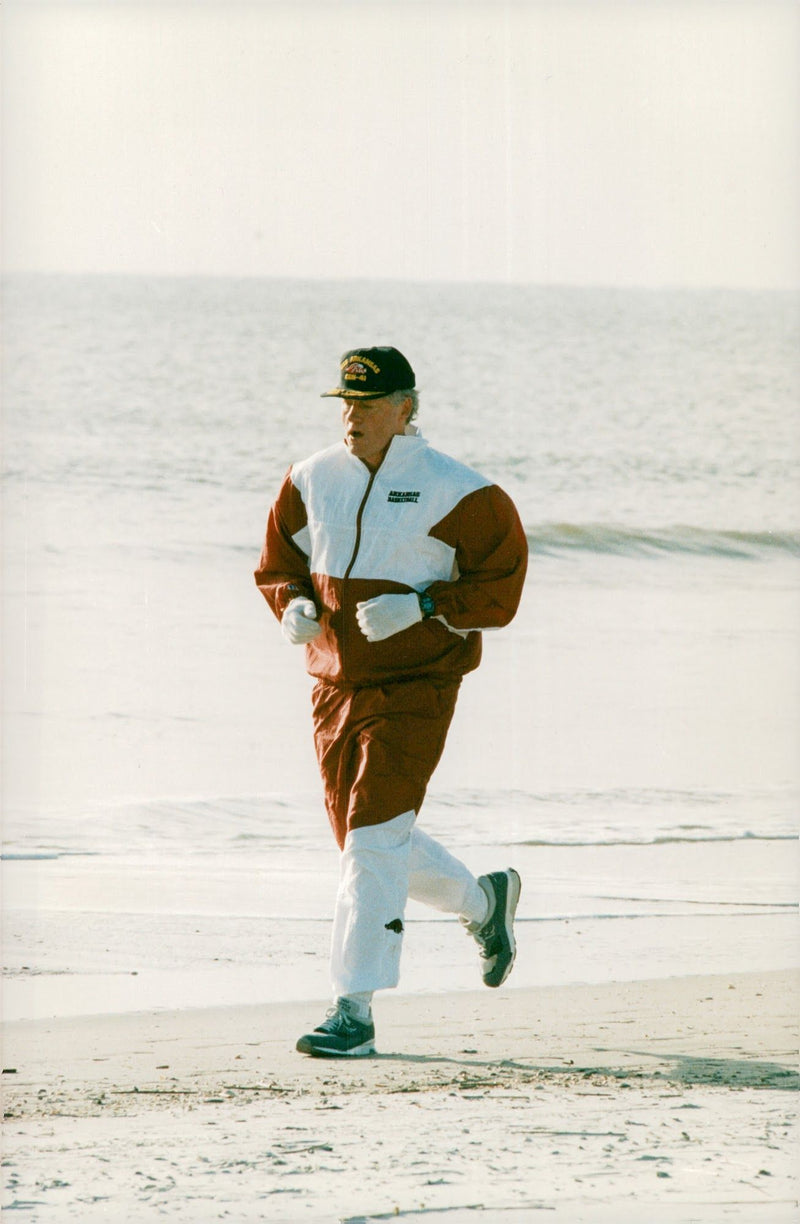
(351, 563)
(359, 516)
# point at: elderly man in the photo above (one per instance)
(386, 559)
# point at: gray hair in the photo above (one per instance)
(398, 398)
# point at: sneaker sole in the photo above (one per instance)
(308, 1045)
(512, 901)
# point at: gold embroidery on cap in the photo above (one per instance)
(367, 361)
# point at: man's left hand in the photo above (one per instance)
(379, 618)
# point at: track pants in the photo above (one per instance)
(377, 747)
(380, 867)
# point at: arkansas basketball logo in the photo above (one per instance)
(403, 495)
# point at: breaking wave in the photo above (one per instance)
(558, 538)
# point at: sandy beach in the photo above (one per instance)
(669, 1100)
(629, 745)
(578, 222)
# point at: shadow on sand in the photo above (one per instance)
(682, 1069)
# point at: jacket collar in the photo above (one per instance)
(401, 448)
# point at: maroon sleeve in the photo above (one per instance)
(492, 557)
(283, 572)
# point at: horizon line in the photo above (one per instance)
(7, 274)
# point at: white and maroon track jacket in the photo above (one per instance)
(339, 534)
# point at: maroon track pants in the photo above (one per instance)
(377, 747)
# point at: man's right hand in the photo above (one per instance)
(299, 622)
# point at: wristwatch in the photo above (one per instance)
(426, 604)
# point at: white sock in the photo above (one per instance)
(359, 1004)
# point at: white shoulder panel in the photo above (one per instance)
(413, 490)
(332, 484)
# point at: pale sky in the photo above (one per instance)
(648, 142)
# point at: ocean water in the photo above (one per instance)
(631, 743)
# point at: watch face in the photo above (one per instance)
(426, 605)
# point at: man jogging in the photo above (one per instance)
(386, 559)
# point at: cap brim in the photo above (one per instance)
(346, 393)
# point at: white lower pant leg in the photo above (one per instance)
(442, 881)
(370, 906)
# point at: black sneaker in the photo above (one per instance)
(496, 937)
(341, 1035)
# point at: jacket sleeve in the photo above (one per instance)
(492, 558)
(283, 573)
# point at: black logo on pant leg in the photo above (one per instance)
(395, 925)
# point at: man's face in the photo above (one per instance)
(370, 425)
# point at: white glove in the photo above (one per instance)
(379, 618)
(299, 622)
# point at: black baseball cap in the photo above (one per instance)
(369, 373)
